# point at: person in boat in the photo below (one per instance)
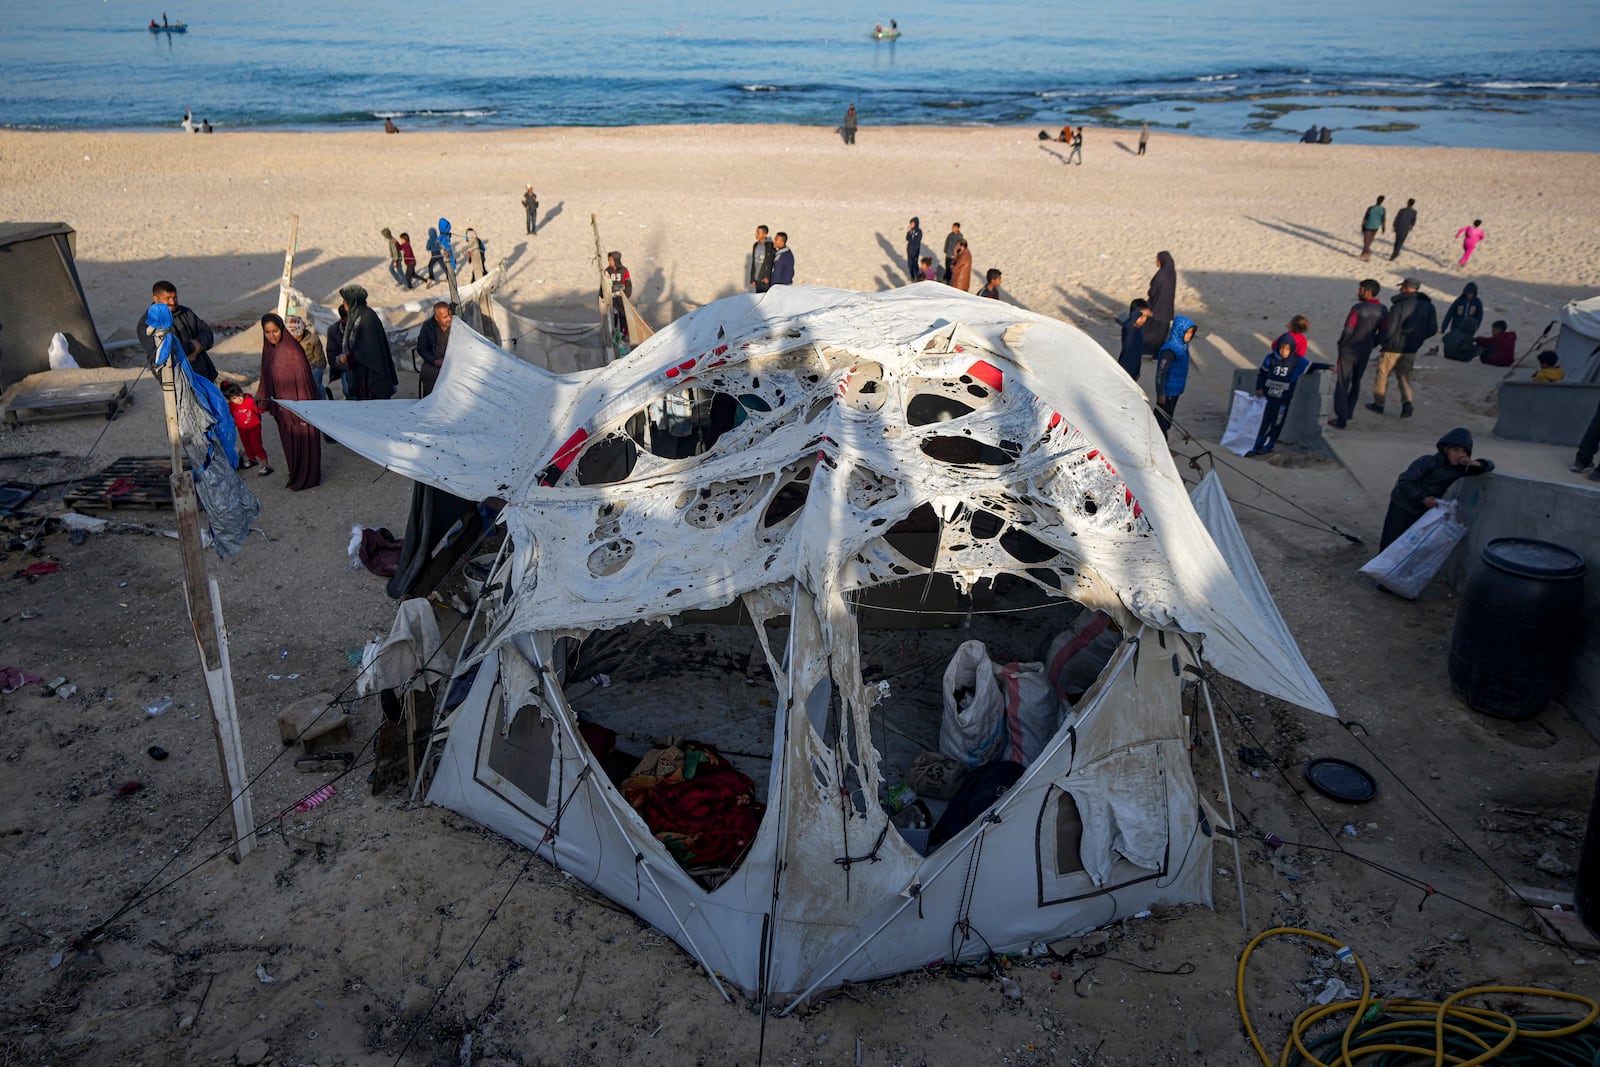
(877, 30)
(894, 27)
(164, 22)
(153, 25)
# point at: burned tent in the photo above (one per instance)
(41, 296)
(866, 445)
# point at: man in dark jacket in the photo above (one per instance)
(913, 247)
(1411, 322)
(193, 333)
(782, 260)
(1405, 220)
(530, 208)
(1356, 341)
(951, 241)
(1421, 485)
(433, 340)
(761, 254)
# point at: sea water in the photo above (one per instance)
(1429, 72)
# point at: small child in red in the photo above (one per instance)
(247, 418)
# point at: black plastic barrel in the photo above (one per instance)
(1519, 625)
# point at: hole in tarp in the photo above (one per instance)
(790, 498)
(916, 537)
(985, 525)
(965, 451)
(1089, 506)
(1025, 548)
(925, 409)
(1045, 576)
(611, 459)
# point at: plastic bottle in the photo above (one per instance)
(899, 798)
(160, 707)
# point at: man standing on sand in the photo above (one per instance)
(1412, 320)
(849, 126)
(761, 256)
(951, 240)
(1405, 220)
(530, 207)
(1371, 223)
(913, 246)
(1144, 137)
(782, 260)
(1362, 327)
(1076, 155)
(191, 331)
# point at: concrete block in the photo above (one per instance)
(306, 720)
(1550, 413)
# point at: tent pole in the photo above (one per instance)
(287, 281)
(1227, 792)
(205, 617)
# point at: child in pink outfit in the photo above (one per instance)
(1470, 236)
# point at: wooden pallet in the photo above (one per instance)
(132, 482)
(67, 401)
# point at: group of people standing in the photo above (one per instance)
(442, 247)
(956, 271)
(771, 261)
(1374, 221)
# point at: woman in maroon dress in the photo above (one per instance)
(286, 375)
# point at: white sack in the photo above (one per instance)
(1409, 564)
(1032, 712)
(1244, 422)
(1079, 653)
(973, 729)
(60, 357)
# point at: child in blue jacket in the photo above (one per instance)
(1172, 370)
(1280, 372)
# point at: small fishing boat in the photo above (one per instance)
(173, 27)
(881, 34)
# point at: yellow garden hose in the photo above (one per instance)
(1463, 1036)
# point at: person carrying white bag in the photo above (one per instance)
(1420, 530)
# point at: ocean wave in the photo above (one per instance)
(761, 88)
(427, 113)
(1217, 77)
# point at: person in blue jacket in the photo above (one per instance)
(444, 242)
(1172, 370)
(1132, 353)
(782, 260)
(1279, 373)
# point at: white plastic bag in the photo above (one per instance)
(973, 729)
(1244, 422)
(60, 357)
(1409, 564)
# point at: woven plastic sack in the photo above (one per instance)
(1410, 563)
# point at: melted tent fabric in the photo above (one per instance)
(1038, 454)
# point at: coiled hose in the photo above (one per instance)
(1399, 1032)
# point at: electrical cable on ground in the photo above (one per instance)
(1416, 1031)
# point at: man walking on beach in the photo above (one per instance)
(530, 206)
(1405, 220)
(1371, 223)
(1076, 155)
(761, 256)
(1412, 320)
(782, 260)
(951, 240)
(1144, 137)
(1361, 331)
(913, 247)
(849, 127)
(190, 329)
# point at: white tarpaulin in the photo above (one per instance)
(1578, 345)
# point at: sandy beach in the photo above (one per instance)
(361, 910)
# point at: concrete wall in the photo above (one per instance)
(1497, 505)
(1552, 414)
(1304, 427)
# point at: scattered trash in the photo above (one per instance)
(55, 961)
(14, 678)
(1334, 989)
(284, 654)
(292, 677)
(156, 752)
(122, 585)
(353, 656)
(602, 681)
(127, 789)
(34, 570)
(50, 687)
(1550, 863)
(160, 707)
(1145, 914)
(1038, 948)
(1344, 954)
(1284, 864)
(353, 549)
(274, 677)
(1350, 829)
(26, 615)
(267, 979)
(314, 799)
(1011, 989)
(66, 692)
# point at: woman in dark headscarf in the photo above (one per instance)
(1163, 291)
(285, 375)
(1461, 324)
(369, 372)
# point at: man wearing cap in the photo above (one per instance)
(1411, 321)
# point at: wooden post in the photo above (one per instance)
(287, 280)
(205, 619)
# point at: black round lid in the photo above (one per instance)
(1341, 780)
(1529, 558)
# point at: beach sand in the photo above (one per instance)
(362, 909)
